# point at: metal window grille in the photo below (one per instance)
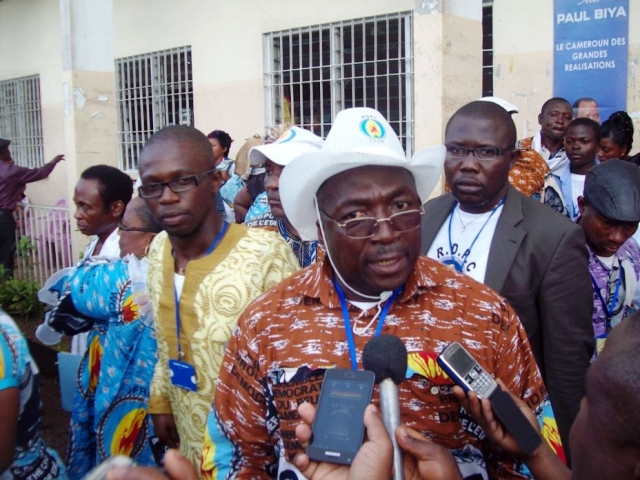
(312, 73)
(153, 90)
(21, 120)
(487, 49)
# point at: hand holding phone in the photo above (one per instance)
(338, 428)
(470, 376)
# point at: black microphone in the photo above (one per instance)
(386, 357)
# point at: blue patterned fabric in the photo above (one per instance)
(259, 207)
(109, 415)
(32, 459)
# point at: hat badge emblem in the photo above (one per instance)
(372, 128)
(286, 136)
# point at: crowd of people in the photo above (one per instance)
(207, 307)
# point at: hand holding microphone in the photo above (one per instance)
(386, 357)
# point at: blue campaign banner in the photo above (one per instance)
(591, 40)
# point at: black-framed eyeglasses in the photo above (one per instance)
(480, 153)
(366, 227)
(124, 228)
(177, 185)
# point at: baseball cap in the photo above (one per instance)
(290, 145)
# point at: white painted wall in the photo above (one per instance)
(227, 43)
(226, 40)
(30, 44)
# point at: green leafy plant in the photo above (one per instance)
(25, 247)
(19, 297)
(5, 274)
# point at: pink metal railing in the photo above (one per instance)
(43, 240)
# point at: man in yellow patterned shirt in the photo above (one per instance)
(203, 272)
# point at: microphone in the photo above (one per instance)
(386, 357)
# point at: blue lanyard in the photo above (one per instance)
(468, 252)
(608, 310)
(347, 321)
(176, 300)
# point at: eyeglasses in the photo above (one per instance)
(480, 153)
(177, 185)
(124, 228)
(366, 227)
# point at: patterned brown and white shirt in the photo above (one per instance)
(290, 335)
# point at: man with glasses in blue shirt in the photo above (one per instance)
(524, 250)
(203, 272)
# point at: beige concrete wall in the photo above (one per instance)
(523, 61)
(90, 129)
(226, 40)
(448, 70)
(30, 34)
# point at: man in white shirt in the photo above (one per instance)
(554, 119)
(525, 251)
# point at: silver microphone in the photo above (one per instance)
(386, 357)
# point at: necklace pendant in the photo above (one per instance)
(462, 229)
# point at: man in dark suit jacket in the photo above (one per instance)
(530, 254)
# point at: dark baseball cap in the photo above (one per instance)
(4, 143)
(612, 188)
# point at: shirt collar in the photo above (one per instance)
(319, 282)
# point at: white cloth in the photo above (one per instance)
(110, 247)
(556, 163)
(458, 251)
(577, 187)
(178, 284)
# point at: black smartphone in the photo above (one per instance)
(338, 428)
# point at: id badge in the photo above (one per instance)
(183, 375)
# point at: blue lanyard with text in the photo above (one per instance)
(176, 300)
(608, 311)
(347, 321)
(466, 256)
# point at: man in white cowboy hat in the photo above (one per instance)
(293, 142)
(362, 198)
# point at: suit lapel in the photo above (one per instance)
(435, 214)
(506, 242)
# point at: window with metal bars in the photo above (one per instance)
(487, 49)
(21, 120)
(152, 90)
(312, 73)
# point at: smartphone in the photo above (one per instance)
(100, 472)
(465, 371)
(338, 428)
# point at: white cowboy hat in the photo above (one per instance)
(358, 137)
(508, 106)
(291, 144)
